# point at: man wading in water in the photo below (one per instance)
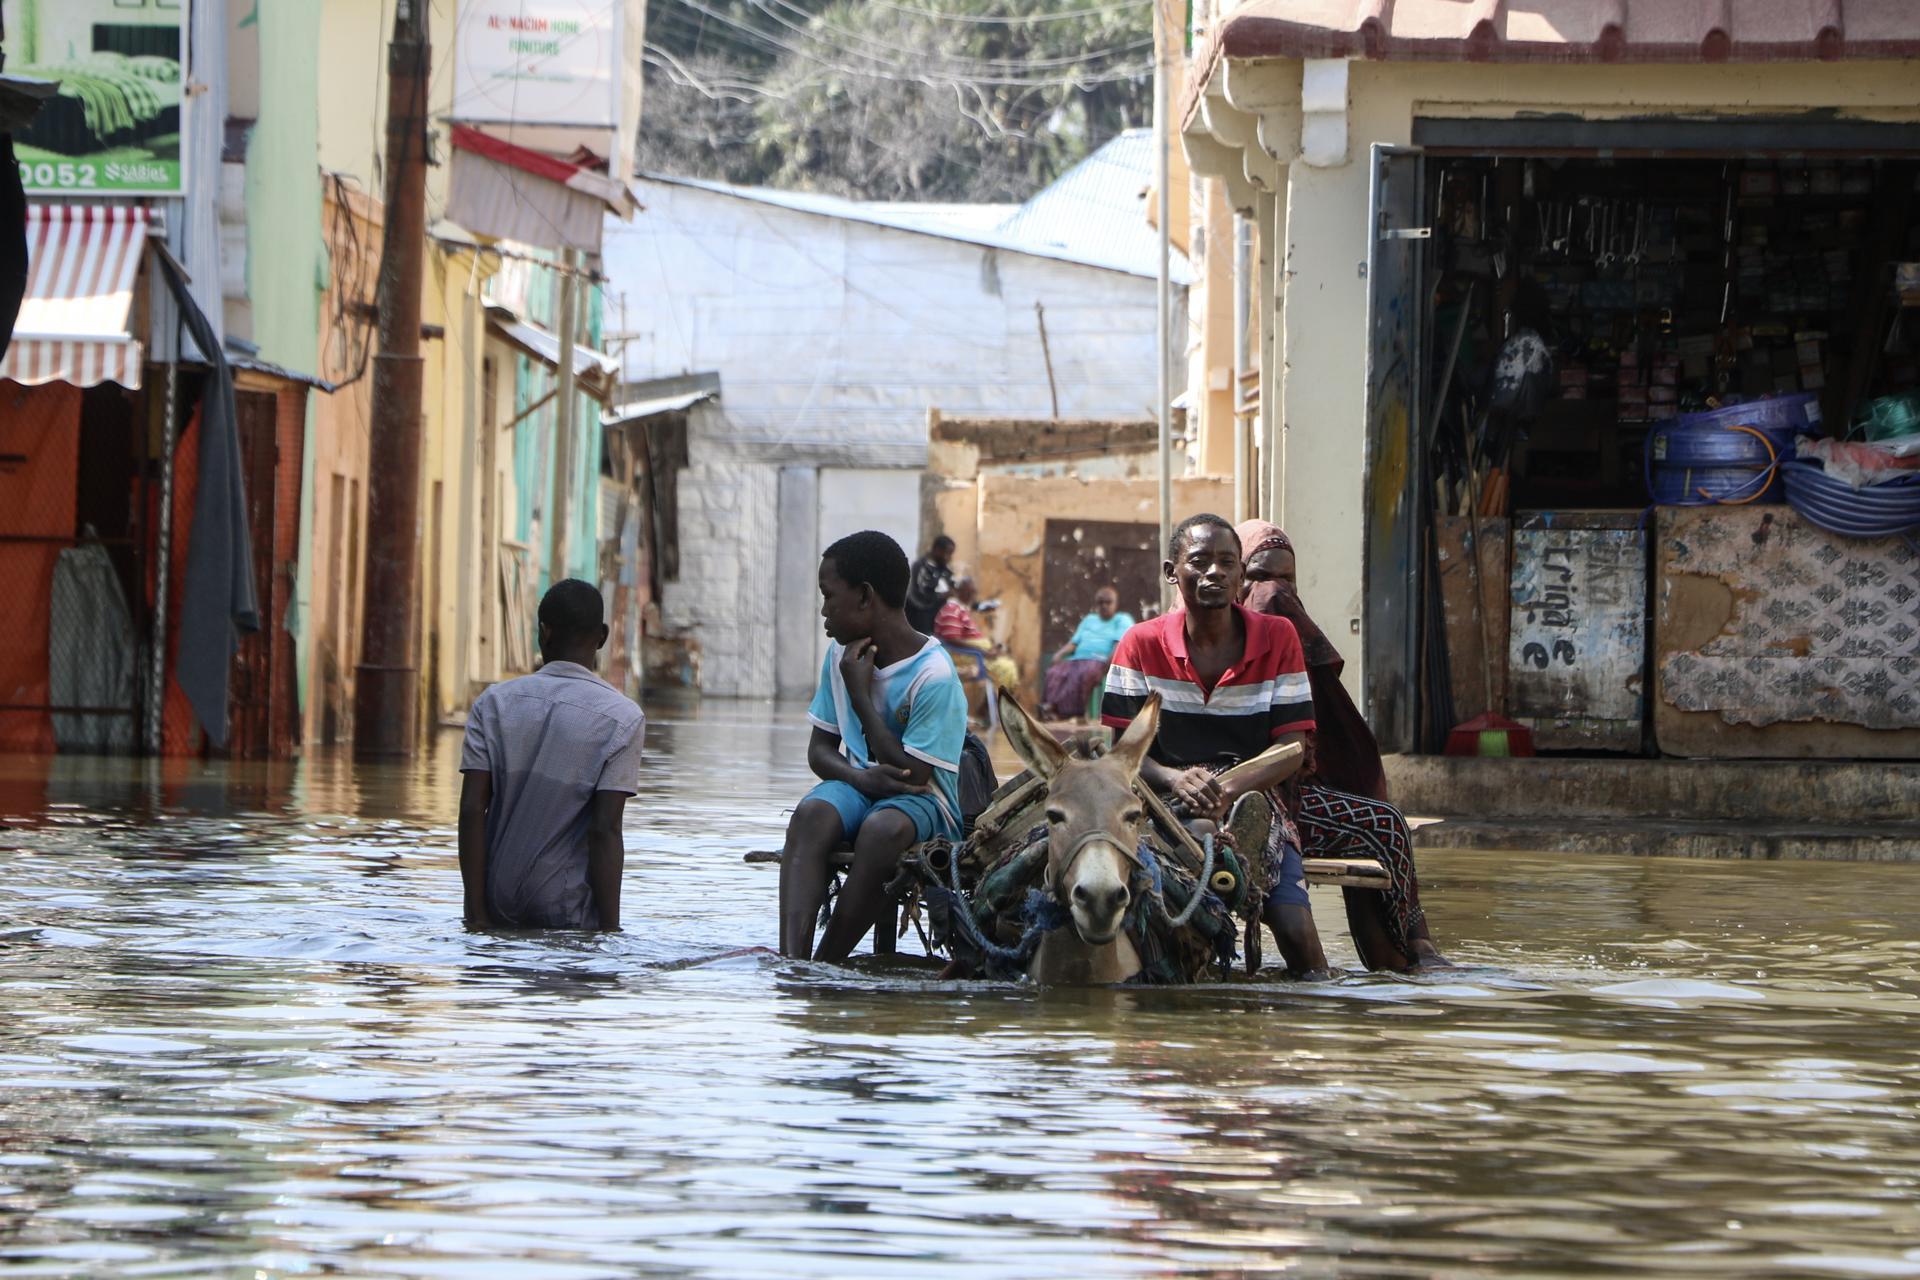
(1232, 683)
(547, 766)
(889, 725)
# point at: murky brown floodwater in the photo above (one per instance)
(241, 1032)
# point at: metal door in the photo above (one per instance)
(250, 700)
(1396, 307)
(1083, 556)
(855, 498)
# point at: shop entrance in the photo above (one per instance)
(1541, 328)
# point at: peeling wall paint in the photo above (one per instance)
(1577, 658)
(1765, 620)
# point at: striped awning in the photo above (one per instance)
(82, 262)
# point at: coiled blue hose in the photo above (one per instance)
(1876, 511)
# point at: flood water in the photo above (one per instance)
(242, 1032)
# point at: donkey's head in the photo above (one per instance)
(1093, 817)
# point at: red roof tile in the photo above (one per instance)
(1560, 31)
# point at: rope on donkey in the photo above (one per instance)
(1041, 913)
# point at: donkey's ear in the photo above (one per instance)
(1038, 749)
(1133, 744)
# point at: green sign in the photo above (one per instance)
(114, 126)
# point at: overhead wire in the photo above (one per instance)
(902, 72)
(819, 23)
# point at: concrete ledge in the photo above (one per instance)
(1569, 795)
(1579, 833)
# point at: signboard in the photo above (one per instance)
(114, 126)
(538, 62)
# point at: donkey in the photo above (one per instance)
(1093, 830)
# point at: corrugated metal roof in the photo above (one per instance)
(1094, 214)
(937, 217)
(1099, 207)
(595, 367)
(637, 409)
(1570, 31)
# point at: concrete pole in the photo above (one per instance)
(557, 513)
(1163, 336)
(386, 682)
(1245, 481)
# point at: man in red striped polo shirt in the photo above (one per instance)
(1231, 683)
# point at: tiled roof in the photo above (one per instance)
(1568, 31)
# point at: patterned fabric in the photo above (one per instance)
(1822, 627)
(1334, 824)
(927, 589)
(1260, 535)
(1260, 697)
(954, 624)
(1070, 684)
(549, 740)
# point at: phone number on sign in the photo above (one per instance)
(80, 176)
(45, 173)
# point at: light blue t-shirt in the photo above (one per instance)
(1097, 638)
(924, 702)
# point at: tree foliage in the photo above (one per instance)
(963, 100)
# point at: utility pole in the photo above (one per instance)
(557, 512)
(1163, 350)
(386, 691)
(1245, 482)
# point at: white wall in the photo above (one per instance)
(832, 339)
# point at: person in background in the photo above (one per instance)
(1082, 661)
(889, 726)
(930, 584)
(548, 763)
(1341, 801)
(1232, 684)
(957, 628)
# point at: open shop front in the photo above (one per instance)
(1642, 423)
(133, 493)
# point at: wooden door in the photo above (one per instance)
(250, 688)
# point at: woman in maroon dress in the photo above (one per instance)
(1342, 807)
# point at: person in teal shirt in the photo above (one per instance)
(889, 726)
(1082, 661)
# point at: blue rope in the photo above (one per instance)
(1041, 913)
(1157, 880)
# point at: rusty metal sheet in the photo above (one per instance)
(1472, 680)
(1396, 311)
(1774, 637)
(1578, 650)
(1085, 555)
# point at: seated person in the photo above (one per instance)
(1082, 661)
(1232, 683)
(957, 629)
(889, 724)
(1341, 796)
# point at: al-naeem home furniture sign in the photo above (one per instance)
(113, 128)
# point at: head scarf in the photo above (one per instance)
(1345, 755)
(1280, 598)
(1260, 535)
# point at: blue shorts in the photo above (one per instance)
(854, 808)
(1290, 886)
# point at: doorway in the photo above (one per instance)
(855, 498)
